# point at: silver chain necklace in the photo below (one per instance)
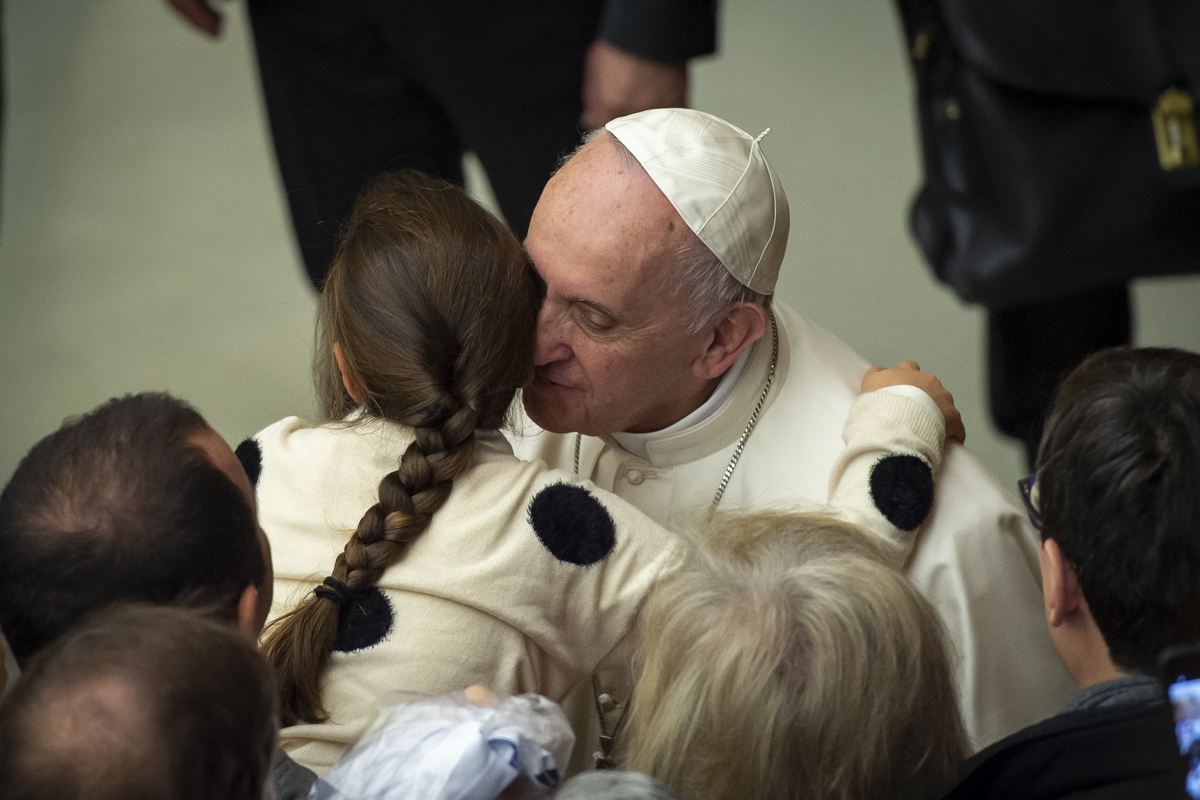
(741, 445)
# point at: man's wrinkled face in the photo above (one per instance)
(612, 349)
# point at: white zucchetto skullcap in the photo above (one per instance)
(718, 179)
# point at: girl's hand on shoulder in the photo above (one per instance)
(909, 374)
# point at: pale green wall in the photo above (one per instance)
(144, 242)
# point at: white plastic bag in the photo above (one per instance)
(447, 748)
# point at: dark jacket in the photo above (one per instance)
(291, 781)
(1090, 754)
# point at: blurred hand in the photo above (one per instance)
(481, 695)
(616, 83)
(909, 374)
(200, 14)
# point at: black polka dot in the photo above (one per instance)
(902, 490)
(574, 526)
(250, 454)
(364, 621)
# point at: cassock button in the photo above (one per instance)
(606, 702)
(635, 476)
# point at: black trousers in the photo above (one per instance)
(354, 88)
(1032, 348)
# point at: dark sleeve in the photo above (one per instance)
(671, 31)
(291, 780)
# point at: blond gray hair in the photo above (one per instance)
(611, 784)
(785, 658)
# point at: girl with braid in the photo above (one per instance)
(413, 552)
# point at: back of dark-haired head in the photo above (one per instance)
(140, 701)
(433, 304)
(1119, 491)
(118, 505)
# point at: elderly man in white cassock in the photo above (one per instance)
(666, 373)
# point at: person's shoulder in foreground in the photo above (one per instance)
(1117, 500)
(1123, 751)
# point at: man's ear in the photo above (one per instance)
(743, 325)
(249, 622)
(347, 379)
(1060, 586)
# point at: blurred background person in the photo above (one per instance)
(141, 703)
(1061, 162)
(358, 87)
(788, 659)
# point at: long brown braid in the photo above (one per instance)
(433, 304)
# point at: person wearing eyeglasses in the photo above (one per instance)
(1116, 498)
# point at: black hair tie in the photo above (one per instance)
(333, 589)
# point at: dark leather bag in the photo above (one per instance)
(1059, 142)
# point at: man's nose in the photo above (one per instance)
(551, 344)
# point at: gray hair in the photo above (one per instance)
(611, 784)
(785, 657)
(707, 285)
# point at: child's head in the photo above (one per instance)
(428, 319)
(1118, 491)
(433, 305)
(788, 658)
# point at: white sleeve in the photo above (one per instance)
(881, 426)
(914, 392)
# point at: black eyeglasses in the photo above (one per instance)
(1029, 494)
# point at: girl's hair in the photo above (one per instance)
(787, 659)
(433, 304)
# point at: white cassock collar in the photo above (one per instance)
(718, 423)
(637, 443)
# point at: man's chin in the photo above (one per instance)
(543, 405)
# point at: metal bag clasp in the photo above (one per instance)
(1175, 130)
